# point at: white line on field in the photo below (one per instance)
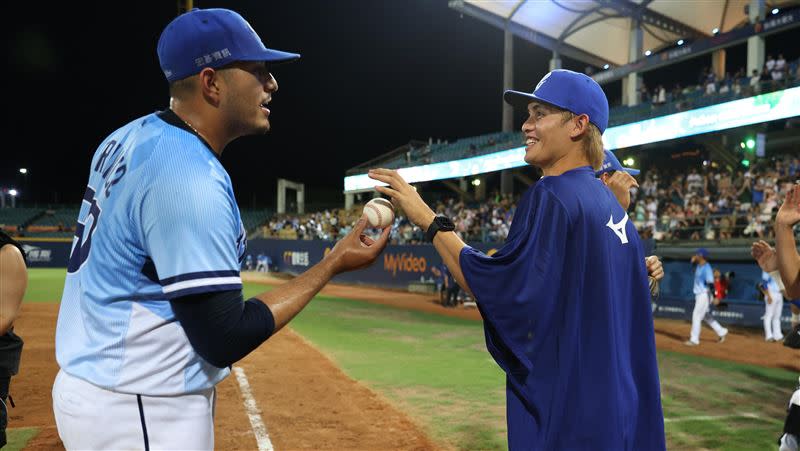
(712, 417)
(260, 431)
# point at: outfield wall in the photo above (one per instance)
(399, 266)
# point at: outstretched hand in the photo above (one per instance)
(357, 250)
(404, 196)
(789, 213)
(765, 255)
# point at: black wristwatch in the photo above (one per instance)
(440, 223)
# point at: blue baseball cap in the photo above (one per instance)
(213, 38)
(568, 90)
(611, 163)
(702, 252)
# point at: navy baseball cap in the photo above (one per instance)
(568, 90)
(611, 163)
(702, 252)
(213, 38)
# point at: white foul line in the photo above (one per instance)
(260, 431)
(712, 417)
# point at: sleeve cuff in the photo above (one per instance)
(200, 282)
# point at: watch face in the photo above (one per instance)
(445, 223)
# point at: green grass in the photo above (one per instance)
(19, 437)
(45, 284)
(437, 369)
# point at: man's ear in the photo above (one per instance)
(580, 126)
(209, 83)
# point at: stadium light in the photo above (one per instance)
(12, 192)
(23, 170)
(746, 163)
(647, 53)
(628, 161)
(680, 42)
(606, 66)
(715, 31)
(775, 11)
(741, 144)
(476, 182)
(751, 143)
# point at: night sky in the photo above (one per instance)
(373, 75)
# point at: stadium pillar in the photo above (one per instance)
(480, 189)
(630, 84)
(508, 79)
(755, 45)
(348, 201)
(507, 182)
(555, 61)
(463, 184)
(718, 63)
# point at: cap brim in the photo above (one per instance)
(628, 170)
(272, 56)
(522, 99)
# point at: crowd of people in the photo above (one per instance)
(703, 203)
(713, 204)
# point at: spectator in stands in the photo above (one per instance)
(769, 65)
(755, 82)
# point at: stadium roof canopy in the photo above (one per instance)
(597, 32)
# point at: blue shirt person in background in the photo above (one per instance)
(703, 294)
(565, 301)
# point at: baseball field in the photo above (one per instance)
(363, 368)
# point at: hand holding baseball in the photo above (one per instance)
(404, 196)
(356, 250)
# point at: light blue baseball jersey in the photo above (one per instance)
(703, 275)
(770, 284)
(158, 221)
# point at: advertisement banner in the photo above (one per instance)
(43, 253)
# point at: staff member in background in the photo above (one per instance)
(703, 288)
(13, 282)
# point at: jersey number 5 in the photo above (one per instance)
(81, 247)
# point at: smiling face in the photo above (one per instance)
(547, 135)
(249, 88)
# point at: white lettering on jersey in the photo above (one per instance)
(619, 228)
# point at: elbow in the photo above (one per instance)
(216, 358)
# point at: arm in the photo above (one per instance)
(13, 282)
(403, 195)
(354, 251)
(786, 249)
(620, 184)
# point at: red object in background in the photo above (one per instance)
(720, 288)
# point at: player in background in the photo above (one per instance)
(152, 316)
(767, 259)
(773, 307)
(565, 301)
(620, 181)
(703, 289)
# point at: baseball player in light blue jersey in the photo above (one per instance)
(703, 289)
(152, 315)
(564, 302)
(773, 307)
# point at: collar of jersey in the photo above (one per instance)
(173, 119)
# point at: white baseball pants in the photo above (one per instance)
(702, 304)
(92, 418)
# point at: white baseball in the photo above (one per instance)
(379, 212)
